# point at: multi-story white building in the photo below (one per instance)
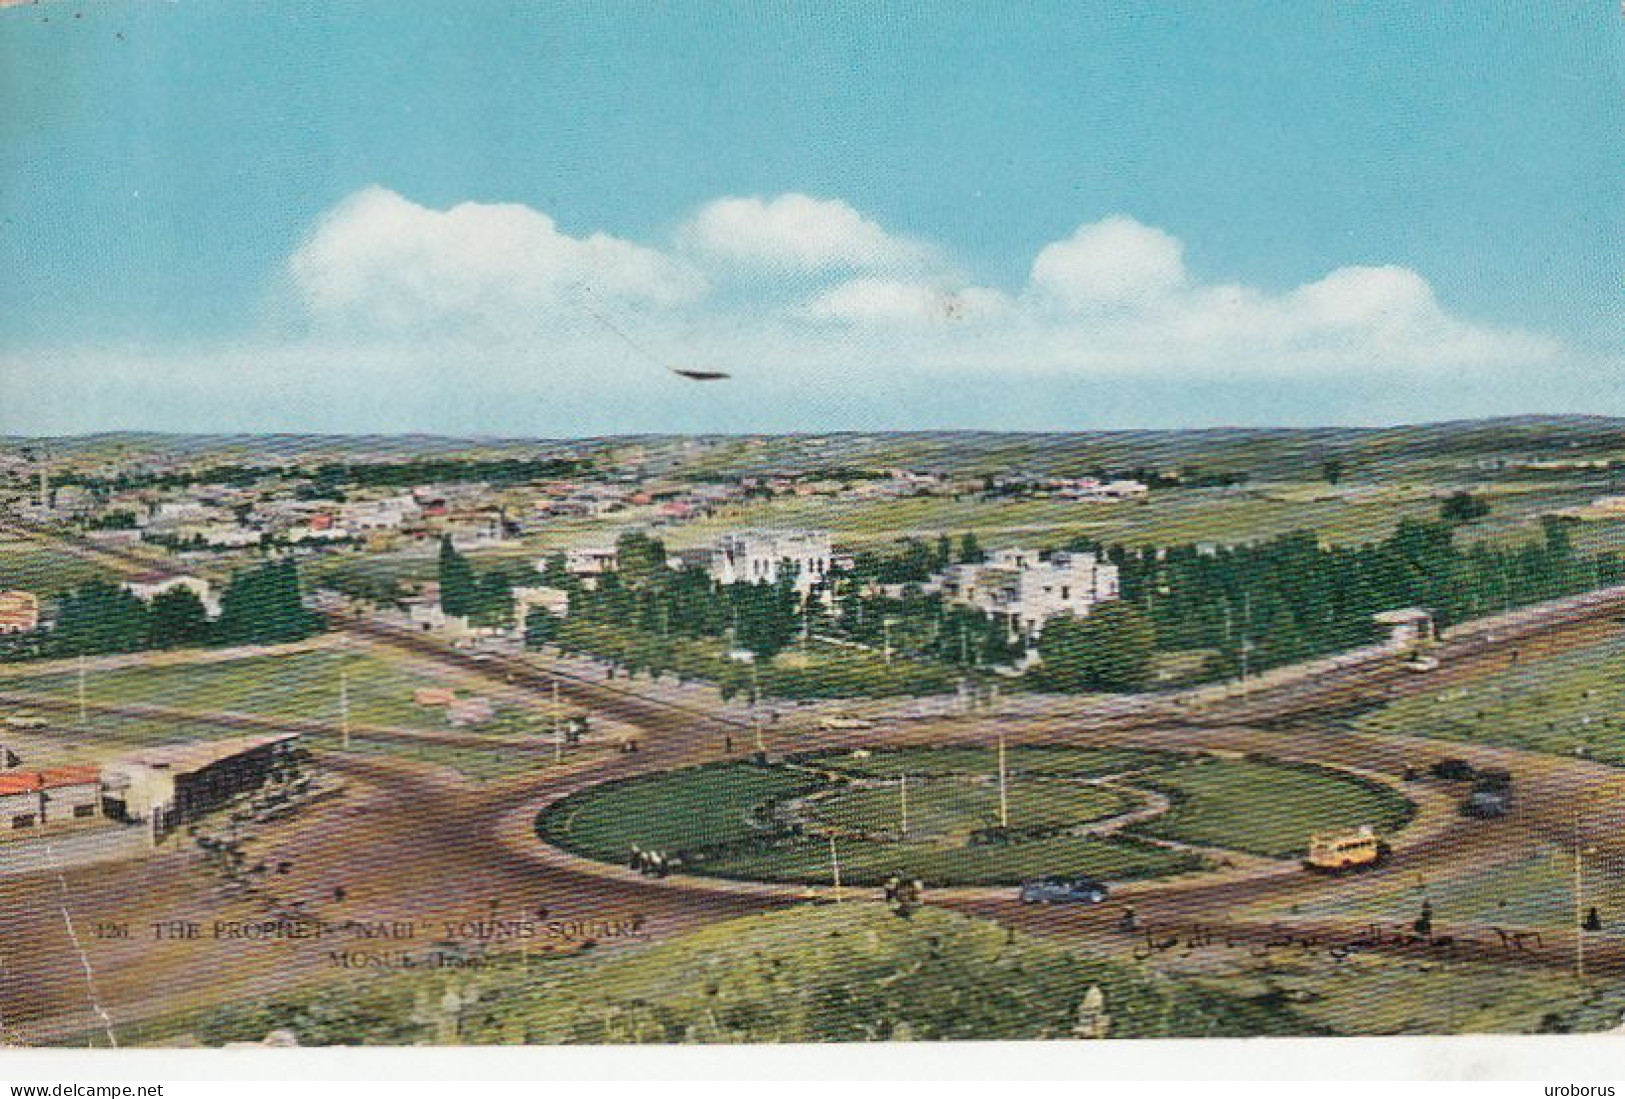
(760, 556)
(1026, 590)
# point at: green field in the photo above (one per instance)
(1553, 705)
(958, 806)
(864, 863)
(1034, 759)
(729, 820)
(45, 570)
(301, 684)
(1347, 515)
(1267, 807)
(675, 811)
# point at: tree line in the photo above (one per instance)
(261, 605)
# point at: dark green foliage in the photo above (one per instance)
(1109, 650)
(178, 619)
(1463, 507)
(101, 617)
(263, 606)
(459, 593)
(541, 628)
(1291, 599)
(640, 561)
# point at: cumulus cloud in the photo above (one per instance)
(877, 300)
(793, 232)
(379, 262)
(1113, 262)
(792, 281)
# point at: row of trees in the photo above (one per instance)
(1291, 598)
(261, 605)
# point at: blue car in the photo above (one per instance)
(1058, 890)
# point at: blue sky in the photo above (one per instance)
(404, 216)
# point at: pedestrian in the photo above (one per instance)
(1424, 922)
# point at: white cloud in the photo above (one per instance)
(794, 232)
(378, 262)
(876, 300)
(759, 285)
(1113, 262)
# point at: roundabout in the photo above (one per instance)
(968, 815)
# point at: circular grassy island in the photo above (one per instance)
(1108, 813)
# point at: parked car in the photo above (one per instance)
(1062, 890)
(1486, 802)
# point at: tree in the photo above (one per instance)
(459, 596)
(1463, 507)
(263, 606)
(178, 618)
(1110, 649)
(541, 628)
(640, 560)
(493, 600)
(1332, 470)
(101, 617)
(970, 550)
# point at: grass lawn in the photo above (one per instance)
(299, 684)
(713, 814)
(867, 863)
(675, 811)
(44, 570)
(1267, 808)
(1551, 705)
(1034, 760)
(958, 806)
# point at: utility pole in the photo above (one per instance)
(755, 713)
(1579, 903)
(344, 701)
(84, 708)
(558, 730)
(885, 633)
(1004, 788)
(835, 868)
(902, 794)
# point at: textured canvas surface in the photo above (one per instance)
(532, 525)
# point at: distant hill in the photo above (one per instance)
(1258, 451)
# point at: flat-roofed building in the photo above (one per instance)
(181, 782)
(19, 612)
(759, 556)
(52, 796)
(1026, 590)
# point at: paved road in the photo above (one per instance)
(417, 844)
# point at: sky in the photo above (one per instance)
(512, 219)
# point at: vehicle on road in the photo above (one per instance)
(1491, 796)
(1453, 770)
(838, 722)
(1063, 890)
(26, 721)
(1420, 663)
(1342, 852)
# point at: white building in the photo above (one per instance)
(1026, 590)
(758, 556)
(148, 586)
(587, 561)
